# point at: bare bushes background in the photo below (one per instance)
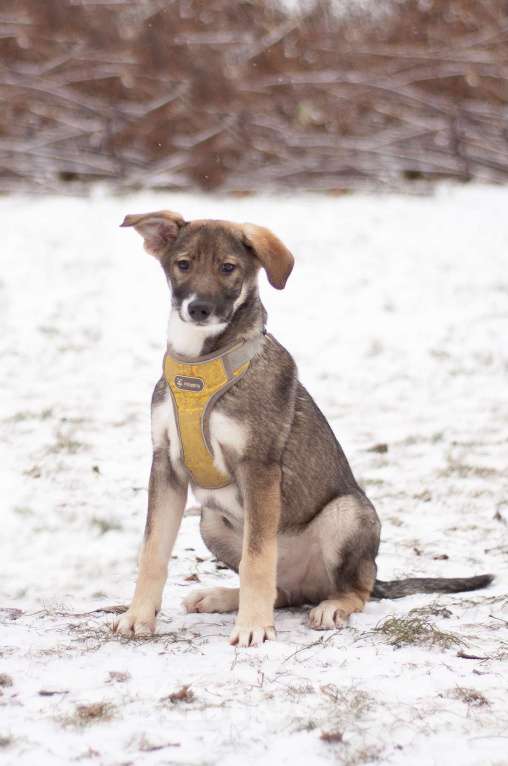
(245, 95)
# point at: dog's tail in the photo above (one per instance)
(411, 585)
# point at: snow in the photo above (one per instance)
(397, 314)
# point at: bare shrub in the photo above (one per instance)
(247, 95)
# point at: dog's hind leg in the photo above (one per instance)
(212, 600)
(222, 600)
(348, 531)
(225, 541)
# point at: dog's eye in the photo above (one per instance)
(227, 268)
(183, 264)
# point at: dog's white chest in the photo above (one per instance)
(165, 429)
(226, 434)
(226, 500)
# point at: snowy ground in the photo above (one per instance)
(397, 314)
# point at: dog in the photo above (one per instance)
(280, 504)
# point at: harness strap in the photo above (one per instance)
(195, 387)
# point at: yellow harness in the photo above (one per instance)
(195, 387)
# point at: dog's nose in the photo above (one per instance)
(199, 310)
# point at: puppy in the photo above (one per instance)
(280, 504)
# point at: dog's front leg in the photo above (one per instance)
(166, 503)
(260, 484)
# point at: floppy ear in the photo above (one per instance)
(274, 256)
(158, 229)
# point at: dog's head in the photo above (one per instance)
(211, 266)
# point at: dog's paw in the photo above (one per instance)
(137, 621)
(212, 600)
(327, 616)
(251, 635)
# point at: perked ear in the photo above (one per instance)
(158, 229)
(274, 256)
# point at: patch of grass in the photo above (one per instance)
(364, 754)
(469, 696)
(6, 740)
(65, 443)
(35, 472)
(331, 736)
(23, 415)
(342, 723)
(185, 694)
(85, 715)
(105, 525)
(466, 601)
(23, 510)
(93, 636)
(434, 610)
(304, 724)
(49, 330)
(501, 652)
(465, 471)
(354, 702)
(118, 676)
(347, 708)
(296, 691)
(11, 613)
(380, 448)
(415, 631)
(351, 756)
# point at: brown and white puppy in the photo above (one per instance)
(293, 522)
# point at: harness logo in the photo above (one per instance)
(188, 384)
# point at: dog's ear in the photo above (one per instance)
(158, 229)
(274, 256)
